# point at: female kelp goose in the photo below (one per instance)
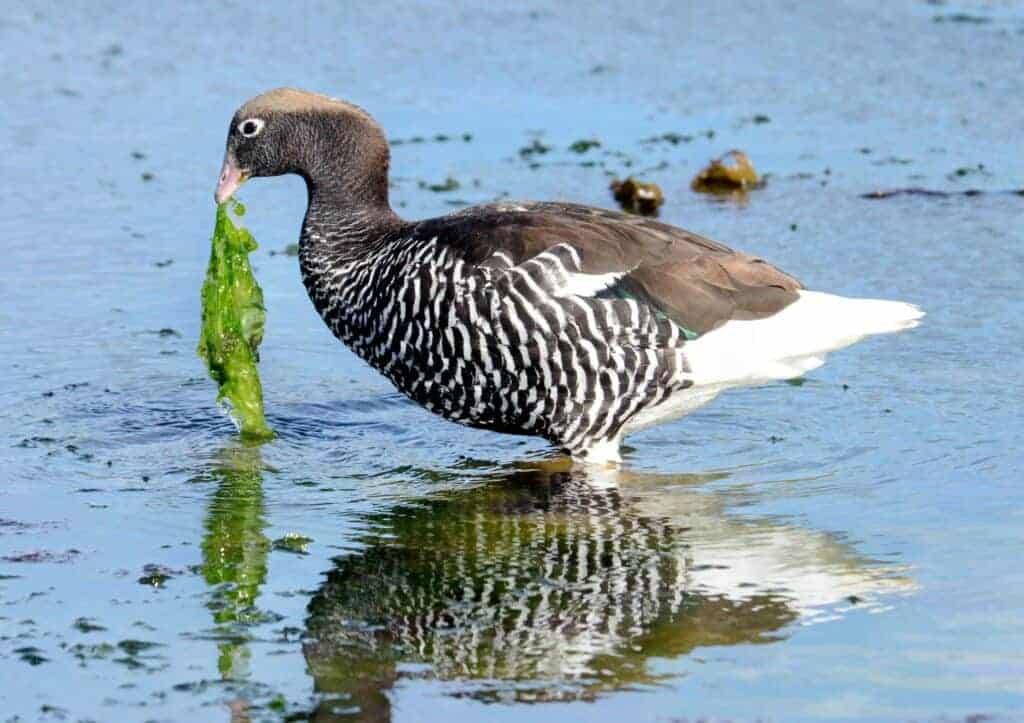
(575, 324)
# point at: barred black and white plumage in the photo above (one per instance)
(494, 344)
(558, 320)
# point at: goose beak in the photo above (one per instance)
(231, 177)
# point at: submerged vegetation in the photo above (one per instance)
(232, 327)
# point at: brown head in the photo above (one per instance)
(335, 146)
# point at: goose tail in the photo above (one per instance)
(793, 341)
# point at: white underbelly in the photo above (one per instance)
(676, 405)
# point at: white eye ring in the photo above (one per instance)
(251, 127)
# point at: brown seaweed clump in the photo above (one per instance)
(637, 197)
(731, 172)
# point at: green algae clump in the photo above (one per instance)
(232, 327)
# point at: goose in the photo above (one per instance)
(576, 324)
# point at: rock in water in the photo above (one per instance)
(232, 328)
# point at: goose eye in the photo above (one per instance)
(250, 127)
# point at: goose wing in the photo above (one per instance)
(698, 283)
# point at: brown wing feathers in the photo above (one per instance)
(698, 283)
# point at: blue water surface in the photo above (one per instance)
(843, 548)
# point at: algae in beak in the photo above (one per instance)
(232, 328)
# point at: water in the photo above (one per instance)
(846, 548)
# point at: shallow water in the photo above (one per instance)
(843, 548)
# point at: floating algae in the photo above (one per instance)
(637, 197)
(232, 328)
(732, 172)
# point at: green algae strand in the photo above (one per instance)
(232, 325)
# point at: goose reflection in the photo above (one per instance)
(551, 584)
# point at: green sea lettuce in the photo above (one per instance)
(232, 326)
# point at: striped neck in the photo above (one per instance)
(325, 225)
(334, 235)
(340, 254)
(330, 194)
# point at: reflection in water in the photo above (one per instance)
(541, 584)
(235, 554)
(552, 585)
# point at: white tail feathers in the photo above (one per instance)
(795, 340)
